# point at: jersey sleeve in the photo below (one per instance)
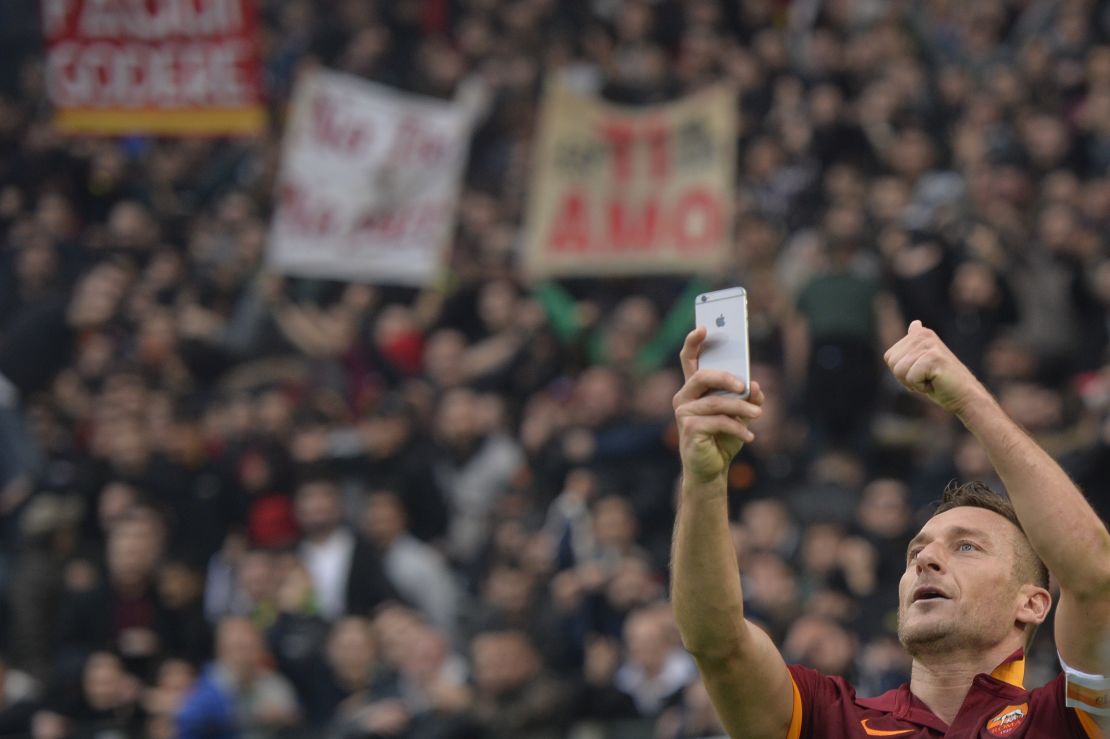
(815, 698)
(1050, 704)
(1088, 696)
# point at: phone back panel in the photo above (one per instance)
(724, 313)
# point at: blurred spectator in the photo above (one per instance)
(693, 718)
(238, 695)
(352, 661)
(395, 458)
(473, 462)
(38, 343)
(346, 572)
(105, 699)
(842, 320)
(49, 538)
(123, 610)
(513, 697)
(180, 589)
(418, 572)
(164, 699)
(19, 696)
(296, 633)
(656, 669)
(434, 685)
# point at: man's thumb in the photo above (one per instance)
(916, 324)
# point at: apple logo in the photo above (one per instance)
(721, 320)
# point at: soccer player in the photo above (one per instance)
(974, 588)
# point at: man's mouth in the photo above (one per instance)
(929, 593)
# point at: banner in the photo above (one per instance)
(626, 191)
(174, 67)
(369, 181)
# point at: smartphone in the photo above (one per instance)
(724, 313)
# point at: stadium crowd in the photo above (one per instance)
(255, 506)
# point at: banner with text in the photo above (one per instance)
(626, 191)
(171, 67)
(369, 182)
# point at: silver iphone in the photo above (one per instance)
(724, 313)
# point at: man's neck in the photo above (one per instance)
(316, 538)
(942, 681)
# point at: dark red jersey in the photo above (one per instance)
(996, 706)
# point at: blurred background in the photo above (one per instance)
(244, 502)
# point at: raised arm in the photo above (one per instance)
(743, 671)
(1062, 527)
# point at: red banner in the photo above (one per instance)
(177, 67)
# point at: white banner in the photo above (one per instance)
(369, 182)
(628, 191)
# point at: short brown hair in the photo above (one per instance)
(976, 494)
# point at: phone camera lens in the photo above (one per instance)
(703, 298)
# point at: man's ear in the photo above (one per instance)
(1034, 605)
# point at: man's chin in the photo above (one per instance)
(924, 638)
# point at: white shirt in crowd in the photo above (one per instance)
(329, 565)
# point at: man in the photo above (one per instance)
(973, 589)
(514, 698)
(347, 575)
(414, 568)
(124, 612)
(238, 696)
(38, 343)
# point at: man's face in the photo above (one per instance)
(384, 518)
(351, 650)
(239, 648)
(319, 508)
(647, 642)
(132, 552)
(503, 661)
(959, 590)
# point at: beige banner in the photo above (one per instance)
(631, 191)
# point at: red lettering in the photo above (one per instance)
(334, 129)
(415, 144)
(697, 222)
(303, 216)
(619, 136)
(401, 224)
(571, 231)
(659, 142)
(623, 139)
(630, 230)
(693, 224)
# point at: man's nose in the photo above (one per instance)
(931, 557)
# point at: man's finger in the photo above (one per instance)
(706, 380)
(756, 396)
(721, 405)
(920, 372)
(915, 334)
(690, 349)
(902, 366)
(718, 426)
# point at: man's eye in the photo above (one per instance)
(967, 546)
(912, 555)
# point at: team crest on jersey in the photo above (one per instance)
(1008, 721)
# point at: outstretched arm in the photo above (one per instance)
(1061, 525)
(743, 672)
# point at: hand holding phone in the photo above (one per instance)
(724, 313)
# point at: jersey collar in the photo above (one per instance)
(1012, 670)
(904, 705)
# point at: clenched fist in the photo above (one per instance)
(711, 427)
(924, 364)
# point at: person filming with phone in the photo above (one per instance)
(974, 589)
